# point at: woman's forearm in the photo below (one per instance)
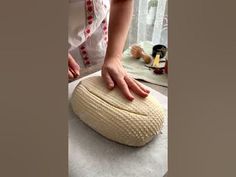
(120, 18)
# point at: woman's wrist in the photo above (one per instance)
(113, 58)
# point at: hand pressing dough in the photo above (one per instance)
(113, 116)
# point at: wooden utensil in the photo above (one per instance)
(138, 52)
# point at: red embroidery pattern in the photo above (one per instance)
(84, 54)
(89, 17)
(105, 30)
(89, 7)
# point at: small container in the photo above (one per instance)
(161, 49)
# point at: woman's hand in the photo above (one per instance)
(73, 68)
(112, 71)
(114, 74)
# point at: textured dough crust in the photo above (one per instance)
(113, 116)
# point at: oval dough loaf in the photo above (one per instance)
(113, 116)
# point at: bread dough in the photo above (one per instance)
(113, 116)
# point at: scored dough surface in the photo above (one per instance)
(113, 116)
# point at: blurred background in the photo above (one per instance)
(149, 23)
